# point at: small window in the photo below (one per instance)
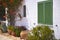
(24, 10)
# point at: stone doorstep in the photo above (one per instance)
(6, 36)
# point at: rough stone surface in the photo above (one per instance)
(6, 36)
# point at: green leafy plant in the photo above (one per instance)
(12, 4)
(10, 29)
(0, 27)
(40, 33)
(17, 31)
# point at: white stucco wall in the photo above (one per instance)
(56, 18)
(33, 16)
(41, 0)
(31, 11)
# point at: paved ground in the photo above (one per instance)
(6, 36)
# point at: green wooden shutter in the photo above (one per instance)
(40, 13)
(45, 13)
(48, 13)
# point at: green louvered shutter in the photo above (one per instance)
(48, 13)
(40, 13)
(45, 12)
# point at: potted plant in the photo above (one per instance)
(13, 31)
(18, 31)
(24, 34)
(40, 33)
(9, 29)
(0, 29)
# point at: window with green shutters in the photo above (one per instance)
(45, 12)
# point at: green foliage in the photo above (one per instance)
(10, 27)
(40, 33)
(17, 31)
(12, 4)
(0, 27)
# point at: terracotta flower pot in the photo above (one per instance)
(13, 33)
(9, 31)
(0, 31)
(11, 1)
(24, 35)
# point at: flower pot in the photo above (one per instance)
(13, 33)
(0, 31)
(24, 35)
(9, 31)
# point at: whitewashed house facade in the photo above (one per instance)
(50, 16)
(42, 12)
